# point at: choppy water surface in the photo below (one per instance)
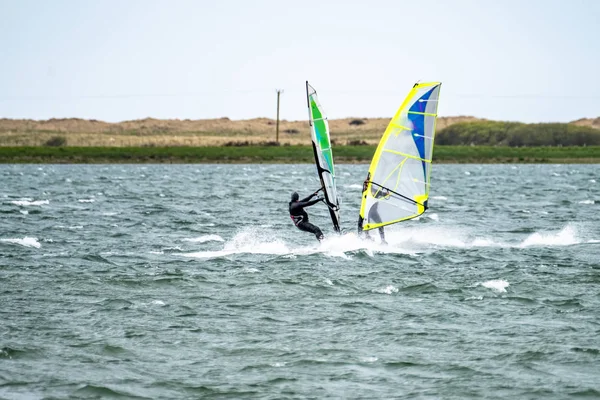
(190, 281)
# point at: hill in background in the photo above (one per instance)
(223, 131)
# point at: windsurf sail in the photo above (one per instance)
(399, 175)
(323, 156)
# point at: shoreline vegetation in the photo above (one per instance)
(288, 154)
(458, 140)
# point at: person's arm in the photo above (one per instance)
(309, 203)
(308, 198)
(381, 193)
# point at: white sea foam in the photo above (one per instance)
(29, 202)
(498, 285)
(587, 202)
(484, 242)
(158, 303)
(70, 227)
(246, 241)
(353, 186)
(426, 236)
(565, 237)
(389, 289)
(264, 241)
(474, 298)
(86, 200)
(433, 216)
(205, 238)
(26, 241)
(467, 173)
(369, 359)
(439, 198)
(277, 364)
(24, 212)
(400, 240)
(592, 181)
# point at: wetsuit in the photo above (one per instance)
(300, 217)
(366, 233)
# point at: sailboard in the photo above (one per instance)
(323, 156)
(400, 171)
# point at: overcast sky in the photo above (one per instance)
(520, 60)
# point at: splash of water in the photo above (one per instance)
(498, 285)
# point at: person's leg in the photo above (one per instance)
(382, 235)
(308, 227)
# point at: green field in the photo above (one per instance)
(288, 154)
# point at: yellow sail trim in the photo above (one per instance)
(420, 199)
(380, 149)
(399, 126)
(422, 113)
(406, 155)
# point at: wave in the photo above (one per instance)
(498, 285)
(69, 227)
(407, 241)
(565, 237)
(389, 289)
(30, 202)
(205, 238)
(86, 200)
(26, 241)
(587, 202)
(262, 241)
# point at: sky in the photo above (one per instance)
(528, 61)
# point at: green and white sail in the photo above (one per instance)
(323, 155)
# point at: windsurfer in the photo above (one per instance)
(373, 214)
(300, 217)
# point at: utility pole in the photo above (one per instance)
(279, 91)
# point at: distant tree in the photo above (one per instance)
(56, 141)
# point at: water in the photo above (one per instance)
(190, 281)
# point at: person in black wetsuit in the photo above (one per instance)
(300, 217)
(373, 214)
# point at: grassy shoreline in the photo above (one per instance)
(286, 154)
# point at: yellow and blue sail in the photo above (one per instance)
(400, 172)
(323, 154)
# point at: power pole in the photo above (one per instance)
(279, 91)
